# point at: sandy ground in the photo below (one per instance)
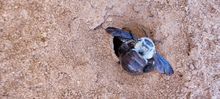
(57, 49)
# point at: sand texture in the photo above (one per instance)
(58, 49)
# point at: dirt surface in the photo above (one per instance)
(54, 49)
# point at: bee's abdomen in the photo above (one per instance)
(132, 62)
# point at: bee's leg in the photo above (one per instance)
(162, 65)
(150, 66)
(157, 42)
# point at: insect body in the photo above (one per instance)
(137, 55)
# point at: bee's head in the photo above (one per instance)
(145, 47)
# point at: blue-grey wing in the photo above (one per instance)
(162, 65)
(116, 32)
(132, 62)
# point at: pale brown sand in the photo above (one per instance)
(56, 49)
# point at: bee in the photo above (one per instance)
(137, 54)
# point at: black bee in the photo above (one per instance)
(137, 55)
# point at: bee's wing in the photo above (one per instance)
(116, 32)
(132, 62)
(162, 65)
(119, 37)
